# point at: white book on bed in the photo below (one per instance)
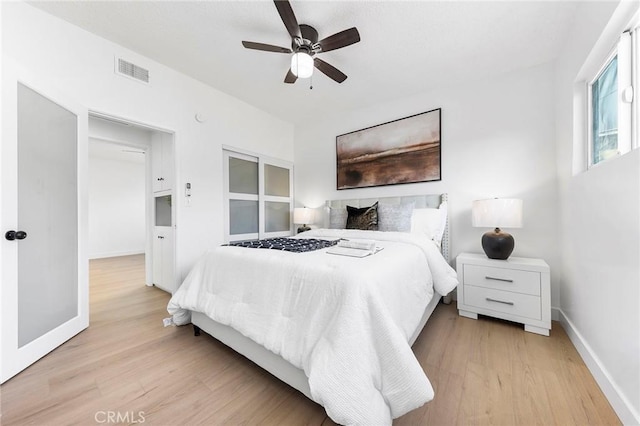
(353, 252)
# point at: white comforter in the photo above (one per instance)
(345, 321)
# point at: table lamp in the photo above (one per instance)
(497, 213)
(302, 216)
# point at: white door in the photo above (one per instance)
(162, 161)
(44, 293)
(163, 259)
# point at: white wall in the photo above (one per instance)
(600, 244)
(497, 141)
(116, 207)
(81, 65)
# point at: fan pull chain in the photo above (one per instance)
(311, 82)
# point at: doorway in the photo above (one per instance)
(117, 192)
(124, 158)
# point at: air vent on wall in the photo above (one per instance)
(130, 70)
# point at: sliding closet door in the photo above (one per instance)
(44, 277)
(276, 199)
(258, 197)
(242, 197)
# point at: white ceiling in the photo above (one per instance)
(407, 47)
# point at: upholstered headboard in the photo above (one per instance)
(420, 201)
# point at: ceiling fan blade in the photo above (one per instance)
(341, 39)
(288, 17)
(265, 47)
(329, 70)
(290, 78)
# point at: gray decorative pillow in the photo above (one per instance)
(337, 218)
(395, 217)
(365, 218)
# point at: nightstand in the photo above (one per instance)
(516, 289)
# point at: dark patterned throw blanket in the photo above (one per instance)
(295, 245)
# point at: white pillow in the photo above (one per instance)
(430, 222)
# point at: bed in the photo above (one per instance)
(336, 328)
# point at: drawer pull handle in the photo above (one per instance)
(499, 301)
(498, 279)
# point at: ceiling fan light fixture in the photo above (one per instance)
(305, 45)
(302, 65)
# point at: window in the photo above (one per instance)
(258, 197)
(604, 113)
(610, 97)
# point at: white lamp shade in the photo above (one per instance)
(302, 65)
(302, 216)
(497, 213)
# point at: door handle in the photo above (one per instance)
(15, 235)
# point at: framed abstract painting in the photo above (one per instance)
(400, 151)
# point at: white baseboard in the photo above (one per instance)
(621, 405)
(115, 254)
(555, 313)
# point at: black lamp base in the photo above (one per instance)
(303, 228)
(498, 244)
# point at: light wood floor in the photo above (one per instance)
(127, 366)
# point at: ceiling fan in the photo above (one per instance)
(305, 46)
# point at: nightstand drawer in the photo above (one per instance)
(512, 280)
(522, 305)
